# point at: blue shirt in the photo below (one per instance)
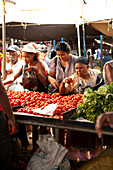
(106, 58)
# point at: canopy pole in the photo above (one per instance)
(12, 41)
(62, 39)
(101, 62)
(54, 44)
(4, 41)
(78, 35)
(84, 43)
(4, 38)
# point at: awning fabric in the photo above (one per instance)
(106, 27)
(35, 32)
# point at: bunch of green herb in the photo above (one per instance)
(95, 102)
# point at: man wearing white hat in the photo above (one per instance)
(13, 66)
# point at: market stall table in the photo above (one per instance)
(65, 123)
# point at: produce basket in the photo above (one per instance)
(67, 115)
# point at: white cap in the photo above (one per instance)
(29, 48)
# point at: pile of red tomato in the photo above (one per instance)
(32, 100)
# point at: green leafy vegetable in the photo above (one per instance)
(95, 102)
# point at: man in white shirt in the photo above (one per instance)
(13, 66)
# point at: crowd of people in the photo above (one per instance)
(29, 68)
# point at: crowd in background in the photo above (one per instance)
(29, 68)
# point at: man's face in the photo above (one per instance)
(13, 56)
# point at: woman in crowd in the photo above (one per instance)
(62, 65)
(43, 54)
(92, 62)
(83, 77)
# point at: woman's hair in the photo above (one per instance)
(36, 56)
(63, 46)
(82, 60)
(53, 54)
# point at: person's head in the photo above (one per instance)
(105, 53)
(91, 58)
(7, 57)
(63, 50)
(53, 54)
(43, 51)
(88, 53)
(81, 66)
(14, 52)
(29, 53)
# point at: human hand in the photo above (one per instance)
(32, 68)
(67, 80)
(105, 119)
(11, 127)
(54, 83)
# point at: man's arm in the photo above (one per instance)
(13, 77)
(62, 88)
(109, 73)
(53, 82)
(4, 102)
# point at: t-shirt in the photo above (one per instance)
(106, 59)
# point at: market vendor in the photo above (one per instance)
(83, 76)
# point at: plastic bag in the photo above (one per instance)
(50, 155)
(29, 80)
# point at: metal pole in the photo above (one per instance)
(54, 44)
(12, 41)
(4, 38)
(4, 42)
(78, 35)
(101, 62)
(62, 39)
(84, 43)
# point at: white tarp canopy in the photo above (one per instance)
(57, 12)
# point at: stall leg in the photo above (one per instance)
(59, 135)
(56, 135)
(35, 136)
(22, 134)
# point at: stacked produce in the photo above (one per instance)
(95, 102)
(33, 100)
